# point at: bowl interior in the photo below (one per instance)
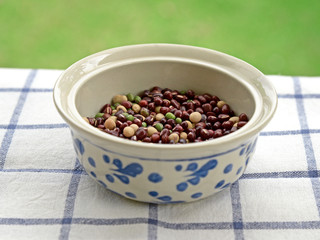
(99, 87)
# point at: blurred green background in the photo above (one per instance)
(277, 37)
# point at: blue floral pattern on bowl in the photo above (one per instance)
(196, 174)
(116, 171)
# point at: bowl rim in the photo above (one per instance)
(76, 121)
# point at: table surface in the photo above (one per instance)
(45, 194)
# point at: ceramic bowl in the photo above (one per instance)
(163, 173)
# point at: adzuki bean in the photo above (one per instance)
(166, 116)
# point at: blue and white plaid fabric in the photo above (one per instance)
(45, 194)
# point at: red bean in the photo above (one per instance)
(137, 121)
(131, 112)
(201, 124)
(196, 103)
(118, 123)
(121, 118)
(191, 136)
(204, 133)
(199, 110)
(155, 137)
(190, 105)
(202, 99)
(190, 94)
(146, 93)
(212, 119)
(243, 117)
(158, 101)
(163, 121)
(198, 130)
(203, 118)
(215, 98)
(211, 132)
(148, 99)
(146, 139)
(123, 125)
(103, 109)
(189, 111)
(126, 104)
(225, 109)
(141, 133)
(91, 121)
(213, 103)
(149, 120)
(241, 124)
(106, 116)
(181, 98)
(166, 103)
(207, 107)
(167, 95)
(178, 113)
(175, 103)
(207, 96)
(143, 103)
(178, 128)
(164, 110)
(165, 138)
(218, 133)
(216, 125)
(183, 108)
(223, 117)
(185, 115)
(216, 110)
(156, 89)
(171, 122)
(227, 125)
(151, 106)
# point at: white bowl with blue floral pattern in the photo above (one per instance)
(163, 173)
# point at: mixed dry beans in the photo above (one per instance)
(162, 115)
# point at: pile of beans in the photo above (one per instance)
(162, 115)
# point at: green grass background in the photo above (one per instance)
(276, 36)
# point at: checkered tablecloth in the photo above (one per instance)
(45, 194)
